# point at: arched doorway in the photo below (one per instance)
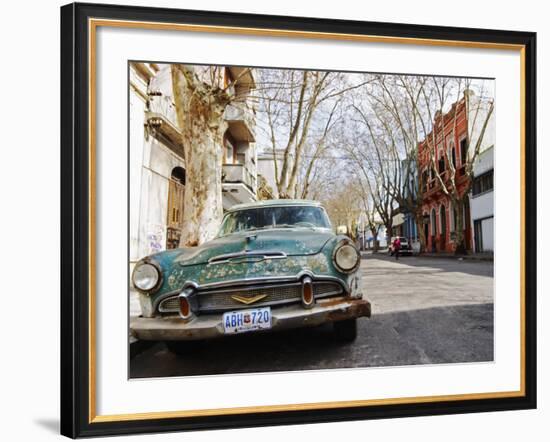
(443, 231)
(433, 228)
(426, 227)
(176, 189)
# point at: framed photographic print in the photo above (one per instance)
(274, 220)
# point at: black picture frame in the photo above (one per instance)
(76, 418)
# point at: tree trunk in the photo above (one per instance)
(419, 220)
(199, 109)
(374, 240)
(388, 233)
(203, 190)
(460, 245)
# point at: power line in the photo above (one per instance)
(389, 160)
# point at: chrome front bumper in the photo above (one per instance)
(210, 326)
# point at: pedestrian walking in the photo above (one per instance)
(396, 247)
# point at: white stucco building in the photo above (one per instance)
(481, 197)
(239, 170)
(157, 172)
(482, 202)
(266, 167)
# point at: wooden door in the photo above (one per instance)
(174, 223)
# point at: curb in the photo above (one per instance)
(459, 257)
(437, 256)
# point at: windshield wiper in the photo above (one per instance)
(251, 229)
(274, 226)
(299, 224)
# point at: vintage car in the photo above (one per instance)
(405, 249)
(274, 265)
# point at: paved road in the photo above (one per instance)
(425, 311)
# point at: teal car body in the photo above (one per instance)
(254, 262)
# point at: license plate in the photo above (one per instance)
(241, 321)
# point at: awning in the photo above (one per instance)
(398, 219)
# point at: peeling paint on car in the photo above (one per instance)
(299, 250)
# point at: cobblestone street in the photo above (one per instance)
(424, 311)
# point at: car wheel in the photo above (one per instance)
(181, 348)
(345, 331)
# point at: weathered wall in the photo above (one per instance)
(158, 162)
(150, 168)
(136, 131)
(154, 154)
(266, 168)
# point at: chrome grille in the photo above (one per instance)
(220, 299)
(322, 289)
(169, 305)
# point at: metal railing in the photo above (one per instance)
(163, 107)
(238, 173)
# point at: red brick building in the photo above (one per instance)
(439, 214)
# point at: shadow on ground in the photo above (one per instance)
(449, 334)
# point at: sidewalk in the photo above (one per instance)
(445, 255)
(472, 256)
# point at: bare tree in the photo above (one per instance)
(367, 151)
(201, 96)
(320, 158)
(290, 99)
(402, 116)
(368, 216)
(386, 110)
(299, 110)
(376, 123)
(344, 208)
(372, 224)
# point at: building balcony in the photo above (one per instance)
(238, 185)
(241, 121)
(161, 117)
(243, 76)
(431, 188)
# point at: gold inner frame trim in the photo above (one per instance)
(298, 34)
(93, 24)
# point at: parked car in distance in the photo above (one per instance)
(275, 264)
(406, 247)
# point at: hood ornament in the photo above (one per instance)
(248, 299)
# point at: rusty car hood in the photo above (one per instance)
(289, 241)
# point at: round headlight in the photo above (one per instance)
(145, 276)
(346, 258)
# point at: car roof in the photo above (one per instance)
(274, 203)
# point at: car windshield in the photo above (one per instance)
(271, 217)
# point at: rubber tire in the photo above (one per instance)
(345, 331)
(181, 348)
